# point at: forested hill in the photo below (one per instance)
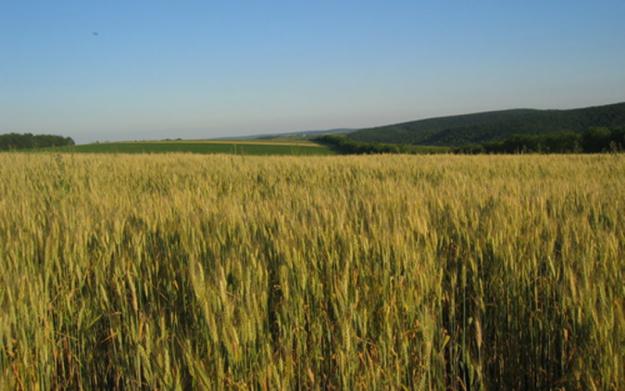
(492, 126)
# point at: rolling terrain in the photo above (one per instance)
(302, 135)
(492, 126)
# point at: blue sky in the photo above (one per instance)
(196, 69)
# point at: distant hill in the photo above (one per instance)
(303, 134)
(306, 134)
(491, 126)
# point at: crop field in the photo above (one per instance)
(179, 271)
(251, 147)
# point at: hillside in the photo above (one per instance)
(302, 134)
(491, 126)
(306, 134)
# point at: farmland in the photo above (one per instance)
(179, 271)
(252, 147)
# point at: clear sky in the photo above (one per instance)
(139, 69)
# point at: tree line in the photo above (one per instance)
(342, 144)
(14, 141)
(593, 140)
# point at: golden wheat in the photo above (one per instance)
(385, 272)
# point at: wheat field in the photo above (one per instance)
(181, 271)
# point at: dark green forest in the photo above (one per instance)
(498, 126)
(344, 145)
(14, 141)
(593, 140)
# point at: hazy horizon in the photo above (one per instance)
(152, 70)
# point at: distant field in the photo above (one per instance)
(292, 147)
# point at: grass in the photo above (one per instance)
(203, 147)
(184, 271)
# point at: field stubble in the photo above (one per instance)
(416, 272)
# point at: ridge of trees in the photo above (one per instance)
(593, 140)
(482, 128)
